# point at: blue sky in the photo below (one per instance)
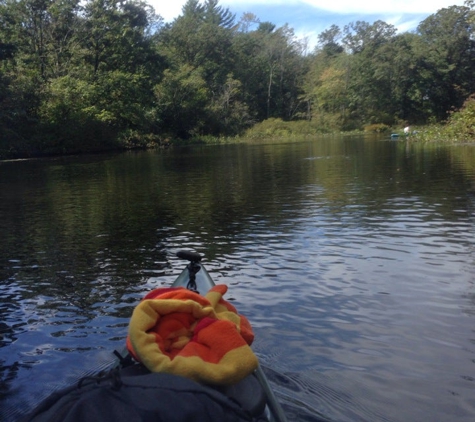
(308, 18)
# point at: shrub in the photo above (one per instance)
(278, 128)
(377, 128)
(460, 126)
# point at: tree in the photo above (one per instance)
(201, 37)
(42, 34)
(182, 98)
(116, 36)
(369, 71)
(198, 46)
(328, 41)
(278, 68)
(326, 86)
(446, 75)
(247, 20)
(361, 35)
(231, 113)
(406, 63)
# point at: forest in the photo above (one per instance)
(93, 75)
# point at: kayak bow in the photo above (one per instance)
(196, 278)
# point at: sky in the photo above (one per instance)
(309, 18)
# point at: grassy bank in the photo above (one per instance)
(273, 130)
(459, 128)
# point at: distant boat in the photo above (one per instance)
(394, 135)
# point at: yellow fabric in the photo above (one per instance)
(183, 333)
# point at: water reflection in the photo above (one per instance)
(352, 258)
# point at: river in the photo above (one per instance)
(353, 258)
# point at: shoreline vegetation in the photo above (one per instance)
(107, 75)
(460, 128)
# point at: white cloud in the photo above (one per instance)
(172, 8)
(372, 7)
(167, 10)
(309, 18)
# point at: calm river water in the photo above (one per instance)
(354, 259)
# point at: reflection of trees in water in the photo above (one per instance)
(8, 334)
(12, 322)
(65, 286)
(464, 156)
(7, 374)
(470, 300)
(12, 325)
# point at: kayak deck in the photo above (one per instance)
(196, 277)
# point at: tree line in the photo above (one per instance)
(97, 74)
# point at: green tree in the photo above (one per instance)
(271, 66)
(116, 36)
(198, 47)
(69, 72)
(369, 77)
(182, 98)
(446, 75)
(326, 85)
(329, 41)
(43, 33)
(201, 37)
(84, 115)
(231, 113)
(407, 98)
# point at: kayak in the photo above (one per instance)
(196, 277)
(129, 391)
(254, 393)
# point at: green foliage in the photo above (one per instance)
(67, 123)
(181, 101)
(99, 74)
(462, 122)
(447, 66)
(229, 112)
(277, 128)
(114, 36)
(377, 128)
(460, 126)
(77, 113)
(19, 100)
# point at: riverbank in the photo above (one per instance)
(460, 128)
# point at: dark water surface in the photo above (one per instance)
(354, 259)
